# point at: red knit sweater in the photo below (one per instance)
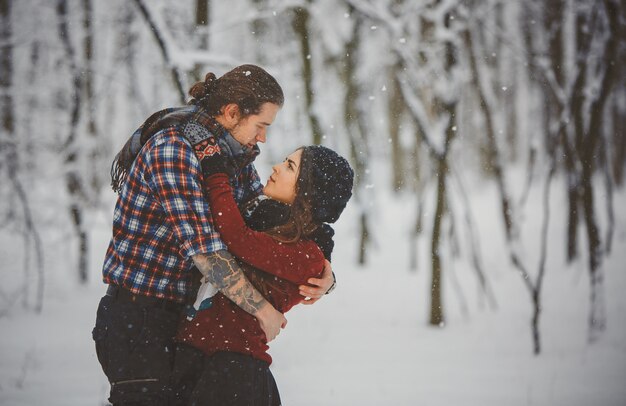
(224, 326)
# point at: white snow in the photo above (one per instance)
(368, 343)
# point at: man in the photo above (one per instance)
(162, 226)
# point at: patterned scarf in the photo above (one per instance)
(240, 156)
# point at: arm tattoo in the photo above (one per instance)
(223, 271)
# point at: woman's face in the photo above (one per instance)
(281, 185)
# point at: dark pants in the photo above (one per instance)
(134, 344)
(225, 378)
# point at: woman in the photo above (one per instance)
(222, 353)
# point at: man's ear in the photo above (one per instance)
(231, 114)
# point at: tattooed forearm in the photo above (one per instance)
(223, 271)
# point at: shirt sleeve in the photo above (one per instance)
(173, 175)
(295, 262)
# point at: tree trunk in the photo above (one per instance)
(201, 34)
(536, 290)
(9, 153)
(165, 52)
(364, 239)
(73, 179)
(511, 231)
(260, 29)
(6, 73)
(202, 17)
(95, 152)
(554, 12)
(536, 300)
(301, 28)
(597, 314)
(396, 109)
(357, 135)
(618, 137)
(436, 305)
(8, 139)
(496, 165)
(449, 109)
(588, 137)
(572, 214)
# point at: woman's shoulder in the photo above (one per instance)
(263, 213)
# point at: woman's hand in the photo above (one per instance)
(318, 287)
(211, 157)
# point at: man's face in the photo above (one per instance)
(253, 128)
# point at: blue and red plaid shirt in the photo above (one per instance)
(162, 218)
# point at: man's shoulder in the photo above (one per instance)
(172, 137)
(167, 150)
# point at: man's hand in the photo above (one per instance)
(271, 321)
(222, 270)
(317, 288)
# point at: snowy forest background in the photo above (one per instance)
(481, 259)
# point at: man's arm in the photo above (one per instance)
(226, 275)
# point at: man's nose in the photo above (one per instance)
(261, 136)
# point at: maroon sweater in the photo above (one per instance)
(224, 326)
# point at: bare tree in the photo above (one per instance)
(354, 119)
(396, 113)
(9, 160)
(7, 116)
(202, 18)
(97, 148)
(73, 179)
(578, 88)
(301, 26)
(431, 79)
(164, 48)
(588, 132)
(449, 105)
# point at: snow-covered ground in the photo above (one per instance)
(368, 343)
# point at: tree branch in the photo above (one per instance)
(165, 52)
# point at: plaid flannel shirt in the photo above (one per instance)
(162, 218)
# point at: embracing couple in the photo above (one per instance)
(204, 259)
